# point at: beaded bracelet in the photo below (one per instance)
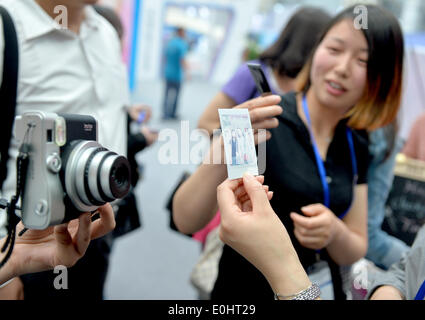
(311, 293)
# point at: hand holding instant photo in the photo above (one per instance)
(239, 145)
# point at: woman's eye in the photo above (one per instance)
(333, 49)
(363, 61)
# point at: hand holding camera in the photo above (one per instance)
(62, 172)
(65, 244)
(68, 172)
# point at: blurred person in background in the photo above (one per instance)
(415, 144)
(281, 63)
(72, 68)
(127, 213)
(175, 68)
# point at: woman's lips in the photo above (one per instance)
(334, 88)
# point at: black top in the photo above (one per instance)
(292, 173)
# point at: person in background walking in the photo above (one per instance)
(175, 65)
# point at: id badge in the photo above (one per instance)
(320, 273)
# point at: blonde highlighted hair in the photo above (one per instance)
(381, 99)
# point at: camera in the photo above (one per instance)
(68, 171)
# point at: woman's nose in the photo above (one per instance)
(343, 66)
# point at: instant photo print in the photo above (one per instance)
(239, 143)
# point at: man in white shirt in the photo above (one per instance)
(72, 70)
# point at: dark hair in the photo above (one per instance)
(291, 50)
(382, 96)
(180, 30)
(112, 17)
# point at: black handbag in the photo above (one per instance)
(127, 218)
(169, 205)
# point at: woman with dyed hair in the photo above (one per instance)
(317, 154)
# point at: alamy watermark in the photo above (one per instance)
(61, 281)
(195, 146)
(61, 18)
(361, 20)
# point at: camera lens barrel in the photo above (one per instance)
(94, 175)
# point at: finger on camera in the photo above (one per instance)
(83, 236)
(105, 224)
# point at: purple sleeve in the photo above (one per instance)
(241, 87)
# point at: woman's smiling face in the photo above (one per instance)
(339, 67)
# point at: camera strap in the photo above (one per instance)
(8, 90)
(22, 164)
(8, 93)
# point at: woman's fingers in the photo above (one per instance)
(268, 123)
(247, 206)
(62, 235)
(262, 136)
(317, 232)
(270, 195)
(241, 193)
(260, 114)
(260, 102)
(82, 237)
(105, 224)
(311, 242)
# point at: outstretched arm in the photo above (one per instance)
(250, 226)
(195, 202)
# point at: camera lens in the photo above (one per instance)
(95, 175)
(119, 177)
(114, 177)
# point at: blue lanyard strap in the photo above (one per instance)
(321, 165)
(421, 293)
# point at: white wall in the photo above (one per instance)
(150, 30)
(230, 58)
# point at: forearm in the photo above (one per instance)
(10, 269)
(195, 202)
(209, 119)
(383, 249)
(209, 123)
(288, 277)
(10, 284)
(6, 273)
(387, 293)
(347, 246)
